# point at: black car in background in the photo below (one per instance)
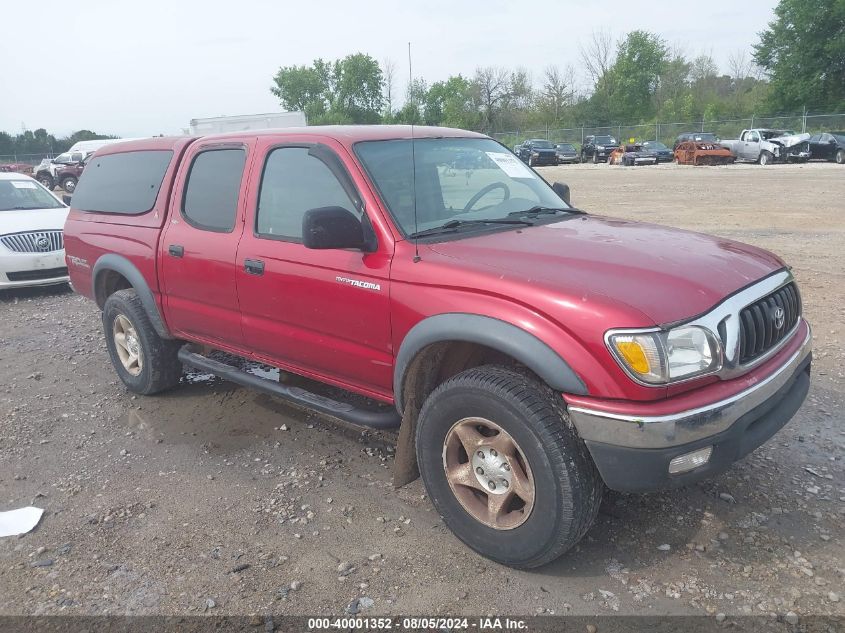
(663, 153)
(566, 153)
(828, 146)
(597, 148)
(695, 136)
(537, 151)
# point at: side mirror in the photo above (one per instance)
(332, 227)
(562, 190)
(66, 199)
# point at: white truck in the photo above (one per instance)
(244, 122)
(766, 146)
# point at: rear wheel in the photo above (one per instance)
(840, 157)
(504, 468)
(145, 362)
(46, 180)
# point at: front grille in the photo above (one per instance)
(34, 241)
(37, 275)
(758, 331)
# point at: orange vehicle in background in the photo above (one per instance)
(703, 153)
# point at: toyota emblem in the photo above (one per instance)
(778, 318)
(42, 243)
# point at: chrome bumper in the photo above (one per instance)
(685, 426)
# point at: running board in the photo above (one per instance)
(342, 410)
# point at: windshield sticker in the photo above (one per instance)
(23, 184)
(511, 165)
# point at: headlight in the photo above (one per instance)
(535, 154)
(662, 357)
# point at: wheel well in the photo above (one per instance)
(440, 361)
(107, 283)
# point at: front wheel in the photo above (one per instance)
(840, 157)
(145, 362)
(595, 158)
(69, 184)
(766, 158)
(504, 468)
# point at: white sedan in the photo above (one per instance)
(32, 249)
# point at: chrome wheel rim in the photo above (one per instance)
(488, 473)
(128, 345)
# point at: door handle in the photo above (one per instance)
(176, 250)
(254, 266)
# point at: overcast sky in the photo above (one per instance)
(148, 67)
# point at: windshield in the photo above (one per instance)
(449, 187)
(605, 140)
(542, 145)
(25, 194)
(776, 133)
(654, 145)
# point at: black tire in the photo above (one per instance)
(530, 161)
(47, 181)
(766, 158)
(567, 487)
(840, 157)
(595, 158)
(160, 369)
(69, 184)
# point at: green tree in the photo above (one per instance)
(803, 53)
(348, 90)
(641, 59)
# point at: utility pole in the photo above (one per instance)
(410, 74)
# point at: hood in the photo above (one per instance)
(32, 220)
(792, 139)
(666, 274)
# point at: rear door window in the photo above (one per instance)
(127, 183)
(211, 194)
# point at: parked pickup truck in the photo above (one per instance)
(766, 146)
(529, 353)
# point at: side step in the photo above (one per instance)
(342, 410)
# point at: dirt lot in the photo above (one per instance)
(216, 499)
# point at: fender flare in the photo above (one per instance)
(121, 265)
(494, 333)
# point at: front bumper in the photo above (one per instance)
(19, 270)
(633, 453)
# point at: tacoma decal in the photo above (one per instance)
(78, 261)
(368, 285)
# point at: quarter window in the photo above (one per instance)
(294, 182)
(211, 193)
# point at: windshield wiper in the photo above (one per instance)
(541, 210)
(453, 225)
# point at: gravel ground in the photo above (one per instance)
(216, 499)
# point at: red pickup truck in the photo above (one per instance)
(532, 354)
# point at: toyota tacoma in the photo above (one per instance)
(529, 353)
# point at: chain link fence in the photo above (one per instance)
(668, 132)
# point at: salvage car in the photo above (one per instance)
(68, 175)
(566, 154)
(46, 172)
(828, 146)
(529, 353)
(703, 153)
(631, 155)
(663, 153)
(538, 151)
(597, 148)
(31, 234)
(766, 146)
(695, 136)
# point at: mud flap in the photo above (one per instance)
(405, 468)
